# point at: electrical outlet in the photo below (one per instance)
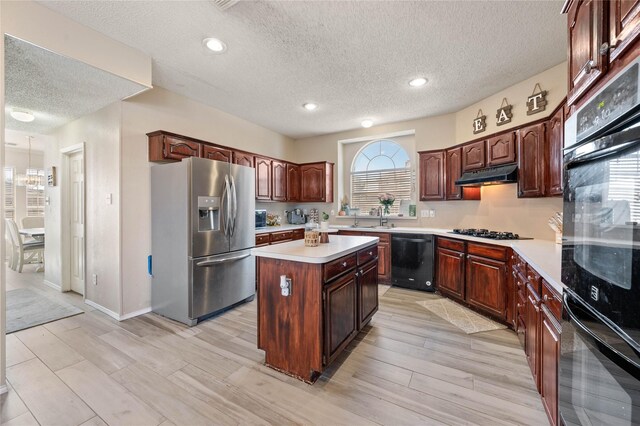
(432, 213)
(333, 212)
(95, 279)
(424, 213)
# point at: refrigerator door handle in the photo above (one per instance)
(226, 198)
(223, 260)
(234, 203)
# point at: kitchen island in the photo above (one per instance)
(313, 301)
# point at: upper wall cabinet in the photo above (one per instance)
(263, 178)
(432, 175)
(473, 156)
(556, 143)
(243, 158)
(532, 169)
(215, 153)
(501, 149)
(316, 182)
(293, 182)
(453, 171)
(279, 181)
(624, 26)
(587, 50)
(168, 147)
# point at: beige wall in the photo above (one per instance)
(100, 133)
(499, 208)
(19, 160)
(159, 109)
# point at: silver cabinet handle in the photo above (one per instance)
(344, 264)
(223, 260)
(370, 253)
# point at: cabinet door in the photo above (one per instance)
(501, 149)
(532, 334)
(432, 176)
(453, 172)
(532, 161)
(177, 149)
(586, 64)
(550, 355)
(215, 153)
(279, 181)
(450, 275)
(263, 178)
(340, 315)
(624, 26)
(384, 261)
(487, 285)
(243, 158)
(312, 182)
(473, 156)
(367, 292)
(556, 142)
(293, 182)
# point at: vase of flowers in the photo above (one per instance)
(386, 200)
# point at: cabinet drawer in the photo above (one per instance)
(281, 236)
(298, 234)
(339, 267)
(552, 300)
(456, 245)
(384, 238)
(262, 240)
(520, 264)
(534, 279)
(484, 250)
(366, 254)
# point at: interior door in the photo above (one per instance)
(76, 218)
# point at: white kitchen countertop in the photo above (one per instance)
(544, 256)
(286, 227)
(338, 246)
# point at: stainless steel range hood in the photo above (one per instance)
(490, 176)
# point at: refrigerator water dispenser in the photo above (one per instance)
(208, 214)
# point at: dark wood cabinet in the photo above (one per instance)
(532, 334)
(340, 315)
(549, 356)
(532, 168)
(501, 149)
(384, 252)
(367, 293)
(486, 285)
(432, 175)
(473, 156)
(293, 182)
(218, 154)
(316, 182)
(624, 26)
(262, 240)
(453, 172)
(586, 62)
(279, 181)
(263, 178)
(167, 147)
(556, 143)
(242, 158)
(450, 273)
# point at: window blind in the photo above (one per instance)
(366, 186)
(624, 183)
(35, 194)
(9, 193)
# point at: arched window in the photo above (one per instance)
(380, 166)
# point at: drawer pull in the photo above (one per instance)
(344, 264)
(545, 298)
(529, 277)
(370, 253)
(519, 305)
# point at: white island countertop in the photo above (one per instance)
(296, 251)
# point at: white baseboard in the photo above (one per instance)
(52, 285)
(114, 315)
(102, 309)
(3, 389)
(135, 313)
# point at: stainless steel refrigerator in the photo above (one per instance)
(202, 232)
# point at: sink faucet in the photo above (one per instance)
(355, 220)
(383, 220)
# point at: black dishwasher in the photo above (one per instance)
(412, 261)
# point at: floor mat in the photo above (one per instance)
(27, 308)
(463, 318)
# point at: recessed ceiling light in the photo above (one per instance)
(367, 123)
(25, 117)
(215, 45)
(310, 106)
(418, 82)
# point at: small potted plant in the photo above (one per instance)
(386, 200)
(325, 221)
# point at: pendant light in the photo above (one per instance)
(28, 179)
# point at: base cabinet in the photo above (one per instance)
(532, 334)
(367, 293)
(384, 252)
(550, 353)
(340, 315)
(450, 272)
(487, 285)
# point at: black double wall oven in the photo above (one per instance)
(599, 378)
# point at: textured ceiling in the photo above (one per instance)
(354, 58)
(19, 140)
(54, 88)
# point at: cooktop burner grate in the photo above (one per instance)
(485, 233)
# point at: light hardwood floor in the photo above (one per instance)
(407, 367)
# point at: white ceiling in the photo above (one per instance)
(54, 88)
(17, 139)
(354, 58)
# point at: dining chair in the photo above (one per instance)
(33, 222)
(23, 252)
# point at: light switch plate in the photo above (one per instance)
(424, 213)
(432, 213)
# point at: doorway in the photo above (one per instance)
(73, 214)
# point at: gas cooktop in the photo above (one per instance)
(485, 233)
